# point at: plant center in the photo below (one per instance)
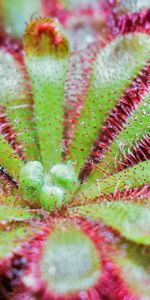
(49, 188)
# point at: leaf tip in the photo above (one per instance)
(43, 36)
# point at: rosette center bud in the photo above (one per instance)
(48, 189)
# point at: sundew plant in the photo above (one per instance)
(74, 150)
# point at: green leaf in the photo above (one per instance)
(9, 213)
(16, 103)
(16, 236)
(135, 176)
(67, 245)
(16, 13)
(6, 189)
(46, 56)
(133, 262)
(135, 128)
(10, 196)
(9, 159)
(10, 240)
(116, 66)
(131, 220)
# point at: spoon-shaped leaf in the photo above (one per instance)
(115, 67)
(135, 176)
(131, 220)
(16, 103)
(126, 140)
(133, 262)
(46, 56)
